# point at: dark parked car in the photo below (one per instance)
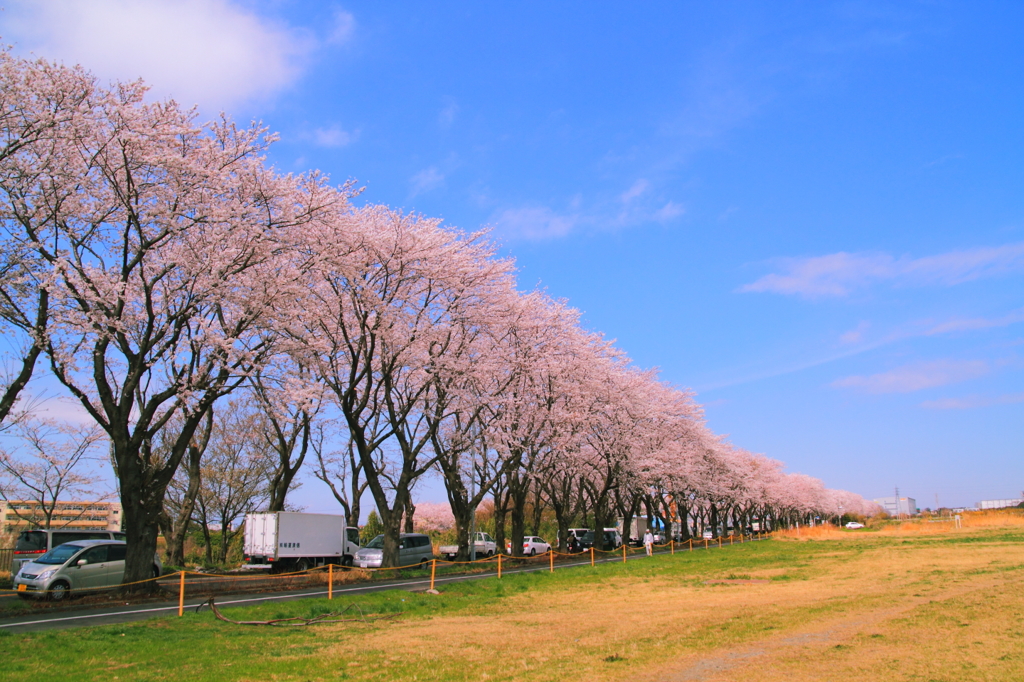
(611, 540)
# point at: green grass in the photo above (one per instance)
(199, 647)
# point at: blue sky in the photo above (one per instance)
(811, 213)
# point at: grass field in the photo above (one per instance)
(933, 604)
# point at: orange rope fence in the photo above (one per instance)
(208, 579)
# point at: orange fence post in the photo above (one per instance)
(591, 556)
(433, 570)
(499, 564)
(719, 540)
(330, 581)
(705, 543)
(672, 544)
(551, 556)
(730, 539)
(623, 554)
(689, 541)
(181, 595)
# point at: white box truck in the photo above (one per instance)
(295, 541)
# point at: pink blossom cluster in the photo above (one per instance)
(158, 265)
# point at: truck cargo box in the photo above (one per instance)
(289, 536)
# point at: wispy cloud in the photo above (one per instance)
(942, 160)
(916, 377)
(534, 223)
(342, 28)
(855, 335)
(334, 136)
(638, 188)
(973, 402)
(839, 274)
(216, 53)
(446, 117)
(668, 212)
(976, 323)
(426, 180)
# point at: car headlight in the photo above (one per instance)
(43, 575)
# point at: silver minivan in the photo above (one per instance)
(32, 544)
(414, 549)
(79, 566)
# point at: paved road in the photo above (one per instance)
(113, 615)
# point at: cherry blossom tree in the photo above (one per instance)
(45, 463)
(383, 302)
(289, 397)
(41, 105)
(161, 265)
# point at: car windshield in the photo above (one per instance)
(58, 555)
(376, 543)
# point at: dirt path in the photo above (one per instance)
(774, 657)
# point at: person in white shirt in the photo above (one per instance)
(649, 542)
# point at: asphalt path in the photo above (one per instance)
(116, 615)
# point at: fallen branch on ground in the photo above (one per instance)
(298, 621)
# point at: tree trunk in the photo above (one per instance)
(410, 511)
(519, 490)
(180, 525)
(538, 510)
(501, 496)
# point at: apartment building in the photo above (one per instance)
(16, 516)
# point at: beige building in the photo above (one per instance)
(16, 516)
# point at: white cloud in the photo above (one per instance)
(426, 180)
(343, 28)
(638, 188)
(839, 274)
(916, 377)
(972, 402)
(855, 335)
(534, 223)
(334, 136)
(975, 323)
(215, 53)
(447, 115)
(669, 211)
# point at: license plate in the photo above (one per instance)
(22, 587)
(362, 564)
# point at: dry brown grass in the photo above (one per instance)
(917, 526)
(865, 608)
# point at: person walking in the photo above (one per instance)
(649, 542)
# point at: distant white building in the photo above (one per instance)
(897, 506)
(19, 515)
(999, 504)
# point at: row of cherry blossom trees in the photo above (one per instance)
(158, 266)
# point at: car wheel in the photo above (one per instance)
(533, 552)
(302, 565)
(346, 561)
(59, 591)
(490, 554)
(156, 572)
(424, 563)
